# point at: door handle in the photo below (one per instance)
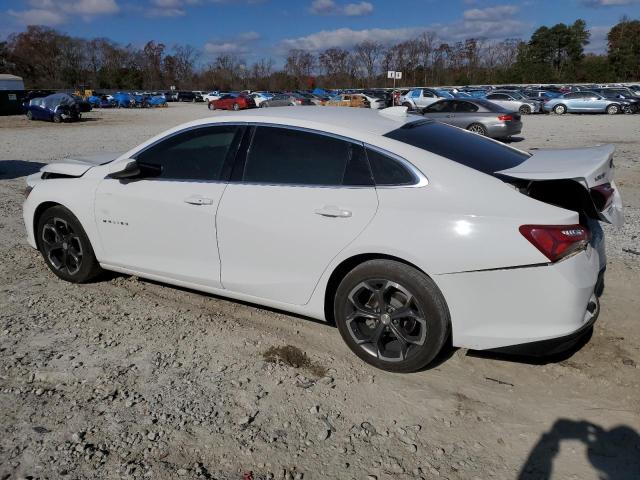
(198, 200)
(332, 211)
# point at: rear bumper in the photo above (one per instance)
(504, 129)
(492, 309)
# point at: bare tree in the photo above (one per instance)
(300, 65)
(367, 55)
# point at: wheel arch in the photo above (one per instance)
(37, 213)
(344, 267)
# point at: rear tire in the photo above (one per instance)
(30, 115)
(391, 315)
(478, 128)
(524, 110)
(559, 109)
(211, 106)
(65, 247)
(236, 107)
(408, 105)
(613, 109)
(57, 118)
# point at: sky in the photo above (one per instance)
(255, 29)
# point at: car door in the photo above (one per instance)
(441, 111)
(164, 221)
(426, 98)
(300, 198)
(464, 113)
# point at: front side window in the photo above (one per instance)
(282, 156)
(438, 107)
(197, 154)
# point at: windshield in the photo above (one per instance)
(469, 149)
(444, 94)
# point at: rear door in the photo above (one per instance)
(463, 113)
(300, 198)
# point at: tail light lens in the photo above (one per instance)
(602, 196)
(556, 241)
(298, 101)
(505, 118)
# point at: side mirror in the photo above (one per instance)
(124, 170)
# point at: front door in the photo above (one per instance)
(164, 222)
(302, 198)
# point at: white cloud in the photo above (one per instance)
(608, 3)
(37, 16)
(240, 44)
(51, 13)
(488, 23)
(330, 7)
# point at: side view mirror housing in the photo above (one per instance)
(126, 169)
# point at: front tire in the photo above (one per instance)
(559, 109)
(57, 118)
(613, 109)
(391, 315)
(29, 115)
(525, 110)
(211, 106)
(65, 247)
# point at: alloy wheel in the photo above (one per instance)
(385, 320)
(62, 246)
(477, 129)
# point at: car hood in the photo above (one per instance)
(77, 166)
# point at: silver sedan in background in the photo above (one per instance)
(515, 101)
(479, 116)
(286, 100)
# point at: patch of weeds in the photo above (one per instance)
(294, 357)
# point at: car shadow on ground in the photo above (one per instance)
(535, 359)
(612, 453)
(17, 168)
(513, 140)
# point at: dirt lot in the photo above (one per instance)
(126, 378)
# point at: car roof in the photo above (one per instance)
(330, 119)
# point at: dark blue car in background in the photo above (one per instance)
(56, 108)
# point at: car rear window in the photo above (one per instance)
(471, 150)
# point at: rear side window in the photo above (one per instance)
(197, 154)
(388, 171)
(282, 156)
(474, 151)
(466, 107)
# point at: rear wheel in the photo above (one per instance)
(559, 109)
(613, 109)
(524, 110)
(212, 106)
(264, 105)
(65, 246)
(236, 107)
(408, 105)
(478, 128)
(57, 118)
(30, 115)
(391, 315)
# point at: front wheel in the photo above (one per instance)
(65, 246)
(211, 106)
(57, 118)
(391, 315)
(613, 109)
(524, 110)
(478, 128)
(30, 115)
(559, 109)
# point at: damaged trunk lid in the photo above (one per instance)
(579, 179)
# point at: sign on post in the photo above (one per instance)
(396, 76)
(391, 74)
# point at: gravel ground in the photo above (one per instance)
(126, 378)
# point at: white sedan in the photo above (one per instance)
(403, 231)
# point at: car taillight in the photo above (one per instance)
(556, 241)
(505, 118)
(602, 196)
(298, 101)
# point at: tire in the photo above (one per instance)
(65, 247)
(211, 106)
(559, 109)
(29, 115)
(478, 128)
(57, 118)
(408, 105)
(264, 105)
(524, 110)
(373, 337)
(613, 109)
(236, 107)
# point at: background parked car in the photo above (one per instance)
(583, 102)
(629, 103)
(185, 96)
(376, 101)
(54, 108)
(419, 98)
(514, 101)
(479, 116)
(232, 101)
(348, 100)
(287, 100)
(260, 97)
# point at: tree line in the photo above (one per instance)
(47, 58)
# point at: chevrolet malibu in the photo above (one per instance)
(403, 231)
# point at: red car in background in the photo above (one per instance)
(232, 101)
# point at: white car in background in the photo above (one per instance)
(403, 231)
(211, 96)
(420, 98)
(260, 97)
